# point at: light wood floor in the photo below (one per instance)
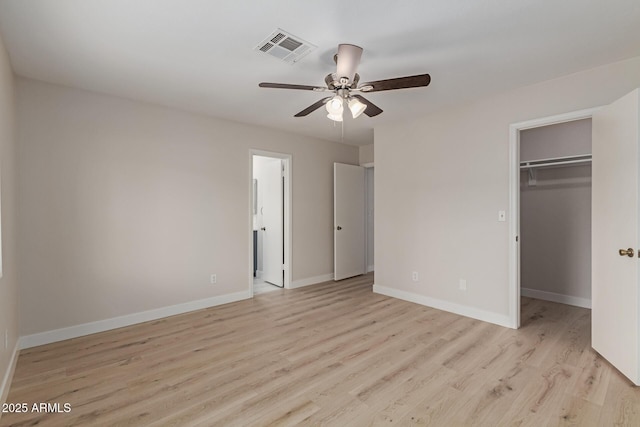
(260, 287)
(331, 354)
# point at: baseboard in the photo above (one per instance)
(370, 268)
(8, 375)
(554, 297)
(127, 320)
(311, 281)
(462, 310)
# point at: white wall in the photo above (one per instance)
(127, 206)
(441, 179)
(8, 282)
(555, 215)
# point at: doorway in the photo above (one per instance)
(270, 224)
(536, 176)
(555, 213)
(614, 230)
(369, 182)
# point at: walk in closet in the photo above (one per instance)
(555, 212)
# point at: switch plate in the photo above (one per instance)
(414, 276)
(463, 285)
(502, 216)
(214, 279)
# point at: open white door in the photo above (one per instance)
(272, 222)
(615, 331)
(348, 221)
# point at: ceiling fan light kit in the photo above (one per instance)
(344, 83)
(334, 106)
(356, 107)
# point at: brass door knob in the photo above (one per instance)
(627, 252)
(264, 229)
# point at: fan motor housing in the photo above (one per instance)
(334, 82)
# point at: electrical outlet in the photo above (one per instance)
(463, 285)
(214, 279)
(414, 276)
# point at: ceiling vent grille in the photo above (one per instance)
(285, 46)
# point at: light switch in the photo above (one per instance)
(502, 216)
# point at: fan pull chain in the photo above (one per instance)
(341, 129)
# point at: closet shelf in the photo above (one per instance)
(556, 162)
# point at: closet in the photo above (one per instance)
(555, 212)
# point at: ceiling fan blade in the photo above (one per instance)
(372, 109)
(419, 80)
(313, 107)
(347, 60)
(288, 86)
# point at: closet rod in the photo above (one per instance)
(560, 161)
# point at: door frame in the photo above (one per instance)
(514, 200)
(287, 212)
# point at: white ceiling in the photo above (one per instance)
(198, 55)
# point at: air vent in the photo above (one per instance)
(278, 37)
(285, 46)
(266, 47)
(290, 44)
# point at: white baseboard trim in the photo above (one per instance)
(370, 268)
(127, 320)
(554, 297)
(8, 375)
(310, 281)
(463, 310)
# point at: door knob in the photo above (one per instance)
(627, 252)
(338, 228)
(264, 229)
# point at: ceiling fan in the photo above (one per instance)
(345, 84)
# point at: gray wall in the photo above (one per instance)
(441, 180)
(555, 214)
(564, 139)
(8, 282)
(127, 206)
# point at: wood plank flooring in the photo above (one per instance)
(332, 354)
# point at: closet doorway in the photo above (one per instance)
(555, 213)
(270, 221)
(615, 193)
(550, 211)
